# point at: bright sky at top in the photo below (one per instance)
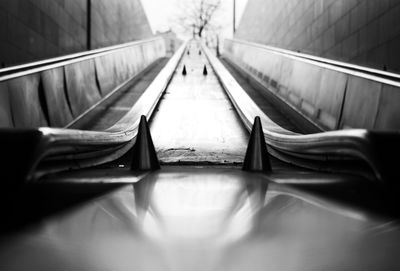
(161, 14)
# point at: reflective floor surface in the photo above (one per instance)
(213, 219)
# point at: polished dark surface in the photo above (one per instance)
(204, 219)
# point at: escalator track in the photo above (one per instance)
(200, 211)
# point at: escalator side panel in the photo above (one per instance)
(6, 120)
(57, 102)
(25, 102)
(81, 86)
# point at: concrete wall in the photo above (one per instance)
(364, 32)
(37, 29)
(116, 21)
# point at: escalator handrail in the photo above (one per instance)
(353, 69)
(361, 144)
(69, 144)
(42, 65)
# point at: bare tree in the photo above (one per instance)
(197, 16)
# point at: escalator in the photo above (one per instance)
(200, 211)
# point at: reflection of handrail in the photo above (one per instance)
(275, 190)
(25, 69)
(351, 68)
(372, 147)
(88, 148)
